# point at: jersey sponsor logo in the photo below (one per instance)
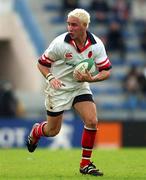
(71, 64)
(68, 56)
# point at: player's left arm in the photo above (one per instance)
(101, 76)
(103, 65)
(87, 77)
(104, 69)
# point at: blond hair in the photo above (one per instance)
(81, 14)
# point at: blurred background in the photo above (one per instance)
(26, 29)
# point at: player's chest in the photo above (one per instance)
(72, 56)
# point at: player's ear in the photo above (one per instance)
(85, 25)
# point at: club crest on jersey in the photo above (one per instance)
(68, 56)
(90, 54)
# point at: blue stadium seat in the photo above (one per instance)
(51, 7)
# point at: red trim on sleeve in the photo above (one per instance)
(102, 62)
(45, 61)
(104, 65)
(47, 58)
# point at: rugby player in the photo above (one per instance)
(64, 92)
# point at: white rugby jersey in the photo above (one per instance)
(62, 55)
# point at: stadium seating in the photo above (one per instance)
(109, 95)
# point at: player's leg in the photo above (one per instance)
(87, 110)
(53, 125)
(48, 128)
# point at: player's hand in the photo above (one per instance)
(56, 83)
(83, 77)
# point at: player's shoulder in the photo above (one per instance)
(97, 42)
(60, 38)
(97, 39)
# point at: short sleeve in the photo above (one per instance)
(53, 51)
(102, 61)
(51, 54)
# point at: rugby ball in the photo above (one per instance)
(86, 64)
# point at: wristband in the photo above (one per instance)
(49, 76)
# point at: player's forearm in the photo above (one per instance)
(54, 82)
(103, 75)
(43, 69)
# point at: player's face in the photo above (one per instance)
(75, 28)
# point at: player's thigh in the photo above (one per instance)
(87, 111)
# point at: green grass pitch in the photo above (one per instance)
(45, 164)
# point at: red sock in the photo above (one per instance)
(38, 131)
(88, 138)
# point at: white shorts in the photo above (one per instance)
(57, 101)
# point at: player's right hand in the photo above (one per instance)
(56, 83)
(83, 77)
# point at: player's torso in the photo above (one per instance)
(64, 66)
(70, 56)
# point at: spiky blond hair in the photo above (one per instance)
(81, 14)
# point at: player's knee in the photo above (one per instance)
(91, 123)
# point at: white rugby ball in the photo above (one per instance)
(86, 64)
